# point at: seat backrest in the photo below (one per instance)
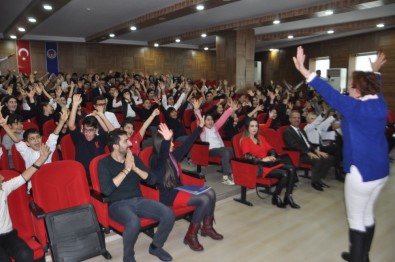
(17, 159)
(236, 146)
(18, 205)
(273, 138)
(94, 172)
(48, 127)
(68, 147)
(29, 124)
(120, 117)
(4, 165)
(145, 155)
(59, 185)
(187, 119)
(261, 118)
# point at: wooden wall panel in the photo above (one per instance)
(86, 58)
(279, 67)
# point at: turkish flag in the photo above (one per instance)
(23, 52)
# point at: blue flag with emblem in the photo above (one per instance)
(51, 54)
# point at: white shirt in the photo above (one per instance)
(212, 138)
(111, 118)
(8, 187)
(30, 155)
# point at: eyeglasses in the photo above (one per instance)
(90, 130)
(101, 104)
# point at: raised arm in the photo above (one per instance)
(147, 122)
(102, 119)
(77, 99)
(380, 61)
(299, 60)
(64, 115)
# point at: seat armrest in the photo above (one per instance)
(261, 163)
(37, 211)
(290, 149)
(99, 196)
(201, 143)
(193, 174)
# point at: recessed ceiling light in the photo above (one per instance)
(273, 50)
(178, 40)
(329, 12)
(204, 35)
(133, 28)
(330, 31)
(111, 35)
(276, 22)
(290, 36)
(206, 48)
(47, 7)
(31, 19)
(156, 44)
(21, 29)
(380, 25)
(200, 7)
(13, 36)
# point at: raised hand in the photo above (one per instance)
(156, 112)
(200, 120)
(299, 60)
(196, 103)
(44, 151)
(165, 131)
(64, 115)
(380, 61)
(77, 99)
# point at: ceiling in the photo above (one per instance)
(162, 21)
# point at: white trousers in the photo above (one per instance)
(360, 198)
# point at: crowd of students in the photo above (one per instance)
(88, 108)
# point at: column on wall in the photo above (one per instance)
(235, 57)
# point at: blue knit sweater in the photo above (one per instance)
(363, 128)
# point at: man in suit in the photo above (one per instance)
(296, 138)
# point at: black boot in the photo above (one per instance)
(276, 201)
(357, 247)
(368, 242)
(288, 200)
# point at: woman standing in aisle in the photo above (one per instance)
(365, 148)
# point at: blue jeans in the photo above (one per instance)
(226, 153)
(128, 211)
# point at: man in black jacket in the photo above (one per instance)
(296, 139)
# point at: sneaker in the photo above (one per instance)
(160, 253)
(227, 181)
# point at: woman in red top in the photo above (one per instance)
(256, 145)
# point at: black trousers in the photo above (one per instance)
(13, 246)
(320, 166)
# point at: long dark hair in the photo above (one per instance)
(246, 132)
(170, 180)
